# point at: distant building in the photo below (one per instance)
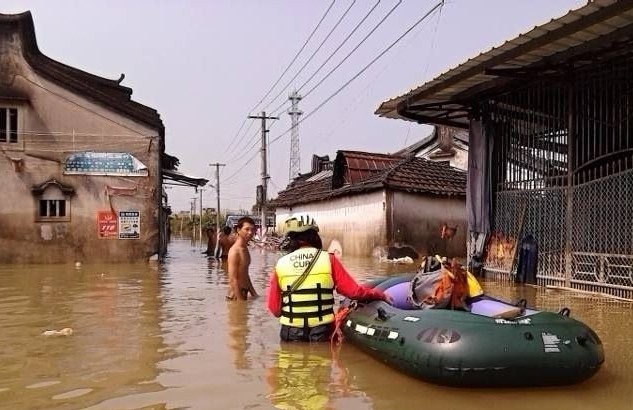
(368, 200)
(81, 162)
(444, 144)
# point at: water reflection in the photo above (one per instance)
(238, 332)
(307, 376)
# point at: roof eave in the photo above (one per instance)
(465, 83)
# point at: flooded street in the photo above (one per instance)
(163, 337)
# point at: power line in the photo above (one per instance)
(253, 145)
(372, 83)
(333, 53)
(356, 48)
(226, 151)
(239, 154)
(353, 50)
(240, 169)
(296, 55)
(312, 55)
(427, 14)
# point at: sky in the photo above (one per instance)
(206, 65)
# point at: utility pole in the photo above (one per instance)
(295, 154)
(265, 176)
(200, 227)
(217, 192)
(192, 213)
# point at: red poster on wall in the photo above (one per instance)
(107, 223)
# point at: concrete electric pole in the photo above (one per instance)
(295, 154)
(200, 226)
(265, 176)
(217, 192)
(192, 214)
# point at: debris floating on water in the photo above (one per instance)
(63, 332)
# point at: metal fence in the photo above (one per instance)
(563, 149)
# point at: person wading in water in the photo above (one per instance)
(239, 259)
(225, 241)
(301, 288)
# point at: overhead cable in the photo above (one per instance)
(426, 15)
(356, 48)
(253, 140)
(296, 56)
(226, 151)
(372, 83)
(284, 88)
(353, 51)
(236, 141)
(332, 54)
(245, 152)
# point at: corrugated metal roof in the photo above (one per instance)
(320, 175)
(597, 19)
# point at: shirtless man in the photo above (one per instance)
(239, 259)
(225, 241)
(211, 239)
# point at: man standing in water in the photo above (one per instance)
(225, 241)
(211, 239)
(240, 284)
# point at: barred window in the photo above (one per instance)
(53, 205)
(8, 125)
(52, 208)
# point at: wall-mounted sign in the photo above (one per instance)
(107, 223)
(104, 163)
(129, 224)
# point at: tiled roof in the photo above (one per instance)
(351, 167)
(102, 90)
(412, 174)
(302, 192)
(420, 175)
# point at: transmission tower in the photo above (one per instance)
(295, 155)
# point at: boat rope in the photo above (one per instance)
(339, 317)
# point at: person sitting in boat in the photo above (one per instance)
(301, 289)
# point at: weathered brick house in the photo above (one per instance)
(368, 200)
(80, 161)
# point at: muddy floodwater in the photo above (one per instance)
(163, 337)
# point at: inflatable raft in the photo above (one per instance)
(495, 344)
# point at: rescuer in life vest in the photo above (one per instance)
(301, 289)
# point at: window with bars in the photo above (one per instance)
(52, 208)
(53, 205)
(8, 125)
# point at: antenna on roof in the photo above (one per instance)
(120, 78)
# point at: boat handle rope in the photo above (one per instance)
(564, 312)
